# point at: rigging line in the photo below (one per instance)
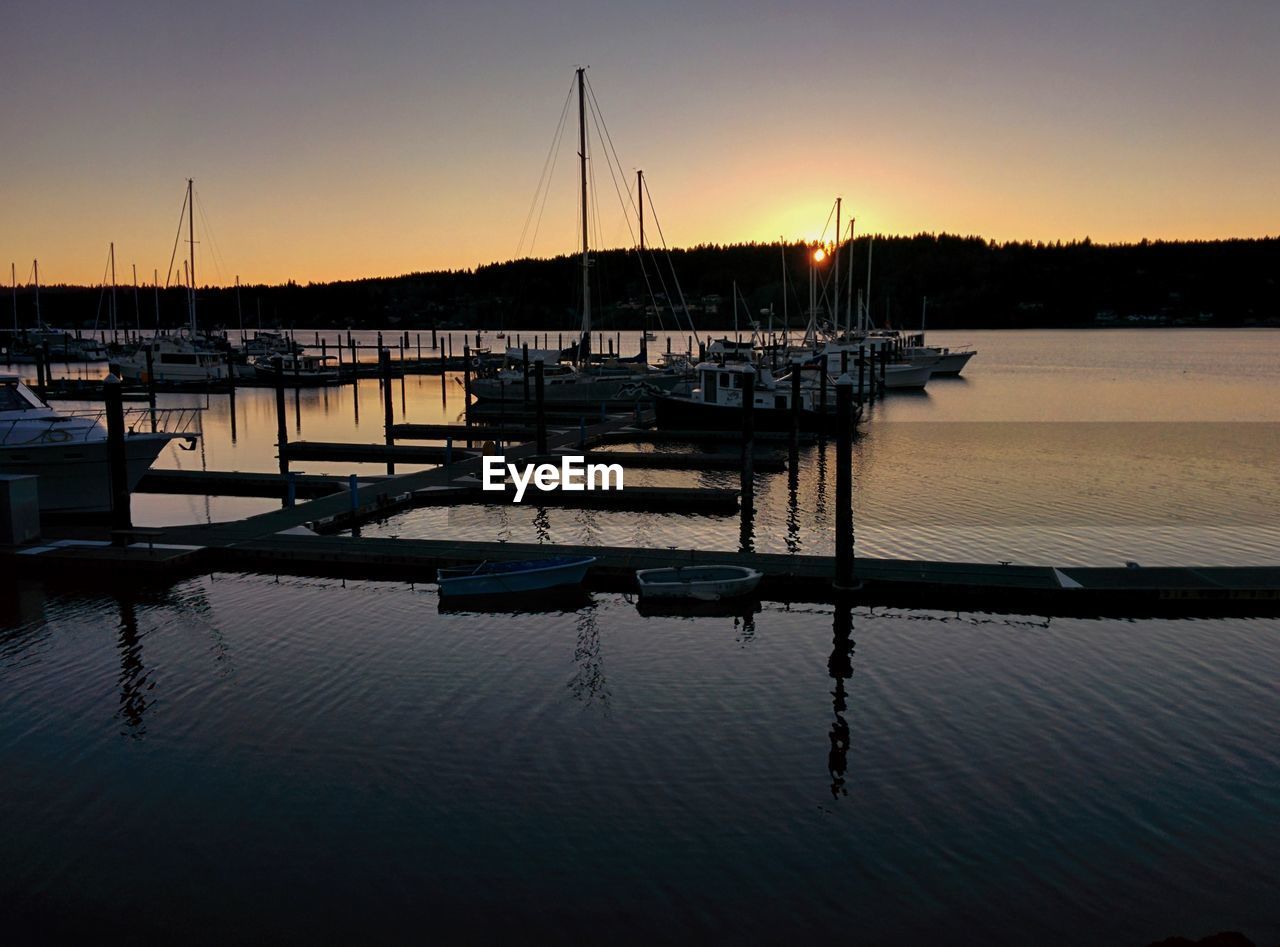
(670, 263)
(598, 120)
(177, 238)
(557, 147)
(101, 293)
(219, 262)
(546, 164)
(591, 94)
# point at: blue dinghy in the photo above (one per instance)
(506, 578)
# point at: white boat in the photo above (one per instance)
(175, 360)
(68, 452)
(710, 583)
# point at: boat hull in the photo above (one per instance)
(612, 391)
(697, 583)
(75, 476)
(687, 414)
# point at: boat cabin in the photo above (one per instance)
(723, 384)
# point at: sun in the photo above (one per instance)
(819, 255)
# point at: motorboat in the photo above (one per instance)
(709, 583)
(296, 370)
(68, 452)
(508, 578)
(175, 360)
(716, 401)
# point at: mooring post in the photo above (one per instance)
(748, 456)
(525, 351)
(40, 377)
(324, 349)
(884, 367)
(418, 339)
(795, 408)
(290, 489)
(448, 451)
(434, 340)
(231, 397)
(117, 464)
(355, 371)
(844, 484)
(862, 374)
(151, 385)
(582, 433)
(388, 416)
(354, 492)
(402, 358)
(466, 388)
(48, 363)
(822, 387)
(282, 428)
(540, 414)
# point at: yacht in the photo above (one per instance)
(716, 402)
(67, 452)
(297, 369)
(175, 360)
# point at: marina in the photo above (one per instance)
(575, 476)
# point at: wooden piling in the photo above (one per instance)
(844, 484)
(388, 419)
(540, 406)
(117, 463)
(282, 428)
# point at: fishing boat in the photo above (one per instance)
(309, 370)
(507, 578)
(709, 583)
(716, 402)
(68, 452)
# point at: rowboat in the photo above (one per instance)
(506, 578)
(711, 583)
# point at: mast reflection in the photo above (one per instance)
(134, 677)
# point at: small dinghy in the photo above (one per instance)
(697, 583)
(506, 578)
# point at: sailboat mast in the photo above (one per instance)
(835, 270)
(848, 317)
(239, 311)
(191, 238)
(155, 282)
(35, 270)
(13, 276)
(867, 310)
(640, 194)
(137, 309)
(113, 285)
(786, 319)
(584, 346)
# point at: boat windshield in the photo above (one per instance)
(15, 397)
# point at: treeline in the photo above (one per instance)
(969, 282)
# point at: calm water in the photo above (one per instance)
(308, 760)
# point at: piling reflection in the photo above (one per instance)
(793, 506)
(589, 684)
(840, 667)
(134, 678)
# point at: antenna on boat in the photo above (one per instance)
(584, 344)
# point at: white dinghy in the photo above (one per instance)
(712, 583)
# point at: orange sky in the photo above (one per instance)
(332, 143)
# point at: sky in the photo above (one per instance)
(336, 140)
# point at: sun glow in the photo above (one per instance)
(819, 255)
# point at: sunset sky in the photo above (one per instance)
(335, 140)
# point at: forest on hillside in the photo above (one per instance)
(969, 283)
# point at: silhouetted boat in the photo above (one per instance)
(507, 578)
(709, 583)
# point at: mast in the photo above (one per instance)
(584, 346)
(191, 238)
(870, 240)
(848, 317)
(835, 271)
(113, 286)
(137, 310)
(786, 319)
(924, 311)
(35, 269)
(155, 276)
(239, 311)
(13, 276)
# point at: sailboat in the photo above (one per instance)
(586, 382)
(177, 360)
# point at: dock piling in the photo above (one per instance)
(282, 428)
(844, 484)
(466, 384)
(748, 457)
(525, 351)
(118, 467)
(388, 409)
(539, 394)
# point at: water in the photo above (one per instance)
(311, 760)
